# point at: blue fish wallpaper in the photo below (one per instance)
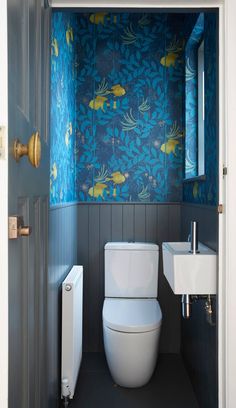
(118, 109)
(63, 115)
(204, 191)
(117, 85)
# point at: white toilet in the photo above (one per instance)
(131, 313)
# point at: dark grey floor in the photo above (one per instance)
(169, 387)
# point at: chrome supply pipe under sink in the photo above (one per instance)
(193, 238)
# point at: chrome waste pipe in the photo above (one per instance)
(186, 306)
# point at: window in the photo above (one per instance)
(195, 103)
(201, 111)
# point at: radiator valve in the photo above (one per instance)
(65, 389)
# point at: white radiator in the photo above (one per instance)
(72, 319)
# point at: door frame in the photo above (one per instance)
(227, 191)
(3, 207)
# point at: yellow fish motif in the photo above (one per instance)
(98, 18)
(170, 146)
(68, 133)
(70, 128)
(97, 190)
(169, 59)
(113, 192)
(55, 49)
(117, 90)
(117, 178)
(54, 171)
(69, 35)
(67, 138)
(195, 189)
(98, 103)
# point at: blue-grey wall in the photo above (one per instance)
(63, 250)
(198, 337)
(100, 223)
(77, 235)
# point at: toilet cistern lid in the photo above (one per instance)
(134, 246)
(132, 315)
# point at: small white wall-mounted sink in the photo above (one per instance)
(188, 273)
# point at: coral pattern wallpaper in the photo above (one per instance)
(118, 108)
(206, 191)
(117, 84)
(63, 115)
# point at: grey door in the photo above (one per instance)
(28, 73)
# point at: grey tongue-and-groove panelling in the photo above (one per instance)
(100, 223)
(77, 235)
(198, 338)
(63, 244)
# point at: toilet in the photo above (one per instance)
(131, 313)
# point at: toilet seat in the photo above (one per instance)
(132, 315)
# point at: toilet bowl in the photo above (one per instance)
(131, 313)
(131, 331)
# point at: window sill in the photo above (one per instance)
(197, 178)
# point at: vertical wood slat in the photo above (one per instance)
(140, 222)
(83, 257)
(151, 223)
(27, 321)
(128, 222)
(40, 209)
(104, 236)
(44, 301)
(168, 230)
(37, 304)
(116, 222)
(63, 244)
(174, 222)
(93, 262)
(163, 223)
(38, 66)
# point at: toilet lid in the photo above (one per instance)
(131, 315)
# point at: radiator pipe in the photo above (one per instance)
(65, 402)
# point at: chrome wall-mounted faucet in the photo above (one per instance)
(194, 237)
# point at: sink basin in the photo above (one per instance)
(188, 273)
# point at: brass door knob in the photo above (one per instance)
(32, 150)
(24, 231)
(16, 227)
